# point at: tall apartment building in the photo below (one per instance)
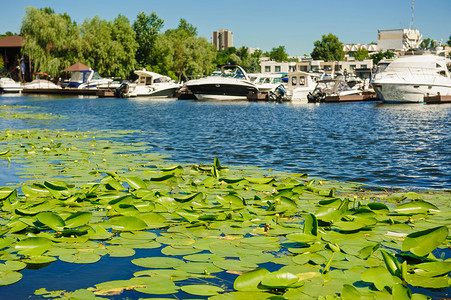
(222, 39)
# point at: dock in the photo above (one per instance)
(438, 99)
(351, 98)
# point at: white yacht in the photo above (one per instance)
(230, 83)
(7, 84)
(412, 77)
(338, 86)
(149, 84)
(40, 82)
(300, 84)
(87, 79)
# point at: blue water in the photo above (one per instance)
(383, 145)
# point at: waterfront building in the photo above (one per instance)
(222, 39)
(398, 40)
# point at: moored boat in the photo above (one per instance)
(7, 84)
(230, 83)
(410, 78)
(148, 84)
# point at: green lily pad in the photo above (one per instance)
(250, 280)
(157, 262)
(423, 242)
(127, 223)
(9, 277)
(279, 280)
(51, 220)
(201, 289)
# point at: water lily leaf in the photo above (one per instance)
(349, 292)
(7, 193)
(5, 242)
(231, 201)
(158, 285)
(139, 235)
(80, 258)
(170, 250)
(158, 262)
(250, 280)
(198, 268)
(311, 225)
(428, 282)
(201, 289)
(52, 220)
(127, 223)
(260, 180)
(162, 178)
(401, 292)
(153, 220)
(379, 208)
(380, 277)
(189, 197)
(423, 242)
(416, 207)
(116, 287)
(279, 280)
(9, 277)
(33, 246)
(174, 275)
(135, 182)
(234, 264)
(189, 215)
(431, 269)
(55, 185)
(39, 260)
(302, 237)
(118, 251)
(78, 219)
(35, 190)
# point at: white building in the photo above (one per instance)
(398, 39)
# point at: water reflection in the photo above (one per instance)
(377, 144)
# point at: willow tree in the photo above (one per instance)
(109, 47)
(50, 40)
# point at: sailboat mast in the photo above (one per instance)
(413, 6)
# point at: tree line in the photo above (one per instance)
(53, 42)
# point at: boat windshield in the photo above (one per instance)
(96, 76)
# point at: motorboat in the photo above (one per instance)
(270, 87)
(148, 84)
(7, 84)
(337, 86)
(300, 84)
(41, 81)
(412, 77)
(229, 83)
(87, 79)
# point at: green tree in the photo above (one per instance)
(328, 49)
(449, 41)
(146, 29)
(50, 40)
(278, 54)
(377, 57)
(361, 54)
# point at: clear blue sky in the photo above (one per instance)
(264, 24)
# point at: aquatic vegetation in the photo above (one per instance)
(85, 198)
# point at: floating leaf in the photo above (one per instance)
(423, 242)
(157, 262)
(279, 280)
(201, 289)
(127, 223)
(51, 220)
(9, 277)
(78, 219)
(250, 280)
(416, 207)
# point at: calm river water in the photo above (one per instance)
(383, 145)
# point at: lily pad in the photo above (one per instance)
(201, 289)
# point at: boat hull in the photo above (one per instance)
(222, 91)
(408, 92)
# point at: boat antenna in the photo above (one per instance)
(413, 6)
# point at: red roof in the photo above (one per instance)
(11, 41)
(77, 67)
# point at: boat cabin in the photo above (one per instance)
(149, 78)
(302, 79)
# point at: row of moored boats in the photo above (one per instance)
(409, 78)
